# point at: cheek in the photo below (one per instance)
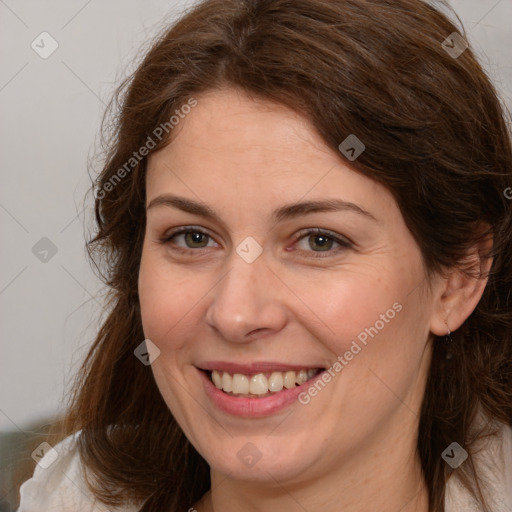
(355, 308)
(378, 358)
(375, 329)
(166, 300)
(380, 350)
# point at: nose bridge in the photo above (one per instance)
(244, 301)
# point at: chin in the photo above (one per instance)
(260, 458)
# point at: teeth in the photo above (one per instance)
(289, 380)
(260, 384)
(312, 373)
(302, 377)
(240, 384)
(276, 382)
(227, 382)
(217, 380)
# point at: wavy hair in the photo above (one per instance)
(436, 137)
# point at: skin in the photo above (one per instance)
(355, 442)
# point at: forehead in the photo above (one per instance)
(247, 128)
(238, 149)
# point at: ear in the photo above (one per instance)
(459, 292)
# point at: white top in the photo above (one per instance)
(58, 483)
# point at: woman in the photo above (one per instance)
(304, 215)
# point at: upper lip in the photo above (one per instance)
(254, 367)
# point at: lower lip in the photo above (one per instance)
(254, 407)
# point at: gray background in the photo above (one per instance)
(51, 111)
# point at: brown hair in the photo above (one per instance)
(435, 136)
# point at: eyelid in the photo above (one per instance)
(184, 229)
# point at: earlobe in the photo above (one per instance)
(461, 289)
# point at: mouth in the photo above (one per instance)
(258, 389)
(260, 385)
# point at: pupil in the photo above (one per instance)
(195, 237)
(324, 241)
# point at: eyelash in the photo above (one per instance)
(344, 244)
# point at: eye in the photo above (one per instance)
(314, 240)
(193, 238)
(317, 240)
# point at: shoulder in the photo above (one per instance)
(493, 463)
(58, 482)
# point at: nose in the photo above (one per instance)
(246, 302)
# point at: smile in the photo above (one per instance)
(255, 390)
(260, 384)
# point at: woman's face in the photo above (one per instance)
(249, 290)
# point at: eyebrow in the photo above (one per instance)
(285, 212)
